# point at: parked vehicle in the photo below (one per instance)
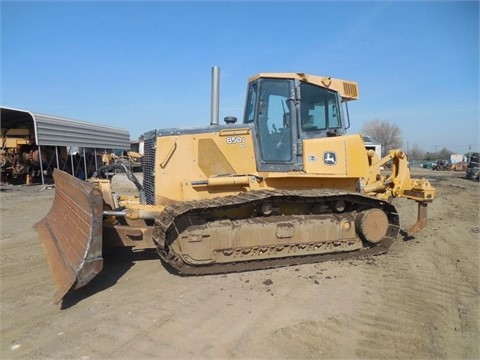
(428, 165)
(441, 165)
(473, 169)
(459, 166)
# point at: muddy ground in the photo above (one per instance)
(420, 301)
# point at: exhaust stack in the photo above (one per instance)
(215, 95)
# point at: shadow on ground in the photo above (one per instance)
(116, 264)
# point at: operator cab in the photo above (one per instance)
(287, 108)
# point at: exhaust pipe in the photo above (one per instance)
(215, 95)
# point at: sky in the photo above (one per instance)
(144, 65)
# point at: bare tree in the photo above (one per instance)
(416, 153)
(388, 135)
(444, 154)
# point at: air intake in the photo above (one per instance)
(211, 159)
(350, 90)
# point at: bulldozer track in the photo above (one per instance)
(167, 229)
(182, 268)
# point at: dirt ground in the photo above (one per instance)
(419, 301)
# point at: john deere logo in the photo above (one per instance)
(330, 158)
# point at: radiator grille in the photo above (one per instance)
(149, 170)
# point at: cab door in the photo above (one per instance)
(272, 107)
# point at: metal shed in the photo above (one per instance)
(373, 144)
(54, 135)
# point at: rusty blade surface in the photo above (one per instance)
(71, 233)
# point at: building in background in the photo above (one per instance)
(373, 144)
(34, 144)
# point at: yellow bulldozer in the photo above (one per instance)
(285, 186)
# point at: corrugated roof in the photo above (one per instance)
(58, 131)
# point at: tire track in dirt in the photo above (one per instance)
(429, 306)
(418, 301)
(419, 312)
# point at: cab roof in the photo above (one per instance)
(348, 90)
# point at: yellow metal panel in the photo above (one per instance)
(188, 158)
(172, 158)
(237, 146)
(340, 156)
(325, 156)
(357, 155)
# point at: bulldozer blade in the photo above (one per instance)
(71, 233)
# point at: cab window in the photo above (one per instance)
(267, 105)
(319, 108)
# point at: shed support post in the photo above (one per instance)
(96, 163)
(41, 163)
(56, 157)
(71, 159)
(85, 164)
